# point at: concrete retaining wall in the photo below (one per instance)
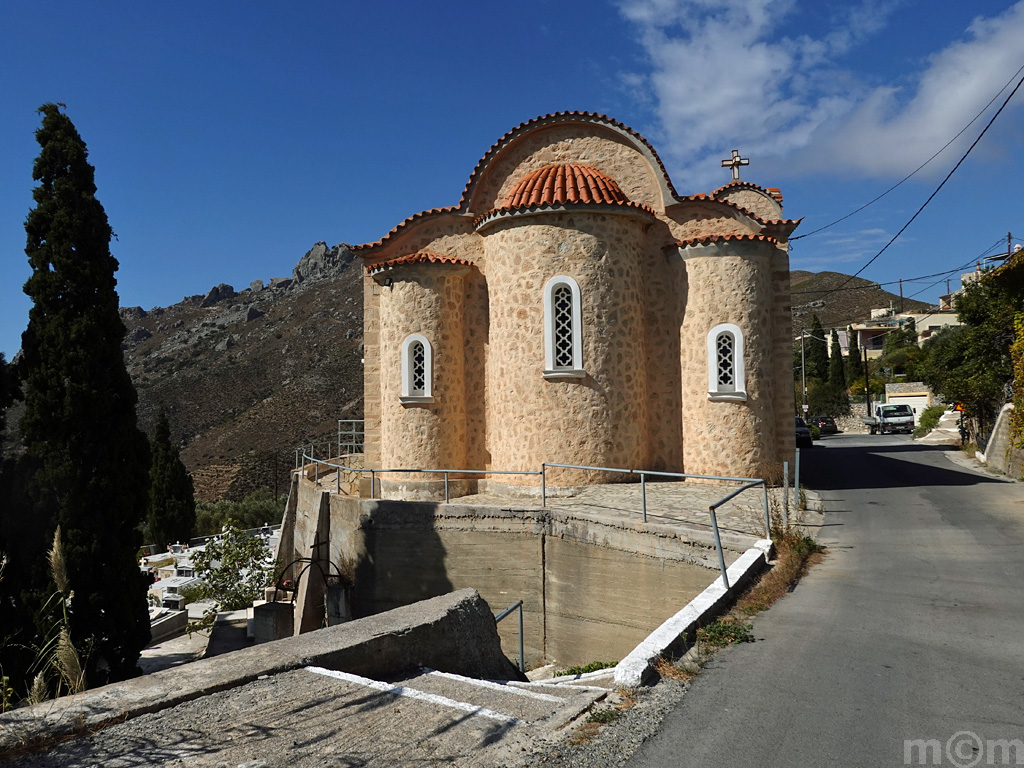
(1001, 454)
(591, 589)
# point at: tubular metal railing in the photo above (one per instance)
(518, 604)
(748, 483)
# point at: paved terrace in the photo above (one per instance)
(668, 503)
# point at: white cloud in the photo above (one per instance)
(725, 74)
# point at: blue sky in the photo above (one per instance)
(228, 137)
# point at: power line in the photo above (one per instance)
(938, 188)
(916, 170)
(872, 286)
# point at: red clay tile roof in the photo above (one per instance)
(564, 183)
(705, 239)
(405, 223)
(701, 196)
(422, 257)
(739, 183)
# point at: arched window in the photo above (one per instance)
(726, 374)
(417, 370)
(563, 329)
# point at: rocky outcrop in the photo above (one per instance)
(217, 294)
(322, 263)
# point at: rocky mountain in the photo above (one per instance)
(247, 375)
(839, 300)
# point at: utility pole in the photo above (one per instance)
(803, 366)
(901, 295)
(867, 385)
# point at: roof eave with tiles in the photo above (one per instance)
(413, 259)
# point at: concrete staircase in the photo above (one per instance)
(460, 720)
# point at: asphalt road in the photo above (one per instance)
(911, 630)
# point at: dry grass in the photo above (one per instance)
(795, 553)
(682, 671)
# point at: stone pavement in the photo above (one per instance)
(683, 503)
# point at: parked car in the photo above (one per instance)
(826, 424)
(803, 434)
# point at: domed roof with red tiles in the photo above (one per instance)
(564, 183)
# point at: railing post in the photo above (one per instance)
(522, 660)
(785, 494)
(543, 485)
(643, 493)
(796, 481)
(767, 514)
(718, 545)
(373, 492)
(447, 498)
(338, 485)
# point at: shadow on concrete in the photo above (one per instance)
(835, 467)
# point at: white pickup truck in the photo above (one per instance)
(890, 418)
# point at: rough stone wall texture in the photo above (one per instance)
(782, 355)
(587, 144)
(598, 420)
(428, 435)
(665, 292)
(725, 437)
(756, 202)
(371, 373)
(700, 219)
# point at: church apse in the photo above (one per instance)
(597, 286)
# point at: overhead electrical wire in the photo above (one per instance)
(919, 168)
(937, 189)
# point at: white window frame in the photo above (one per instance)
(428, 370)
(576, 370)
(739, 391)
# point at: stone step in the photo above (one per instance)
(525, 704)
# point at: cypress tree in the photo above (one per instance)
(854, 363)
(172, 504)
(836, 368)
(816, 352)
(90, 459)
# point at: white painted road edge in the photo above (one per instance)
(412, 693)
(494, 686)
(632, 670)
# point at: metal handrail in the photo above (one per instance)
(517, 604)
(749, 482)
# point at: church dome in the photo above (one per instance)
(564, 183)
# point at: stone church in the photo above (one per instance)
(574, 308)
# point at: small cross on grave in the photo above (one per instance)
(735, 162)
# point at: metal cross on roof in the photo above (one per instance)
(735, 162)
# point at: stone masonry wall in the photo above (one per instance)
(599, 420)
(588, 144)
(724, 437)
(426, 435)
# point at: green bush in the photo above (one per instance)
(929, 420)
(258, 508)
(815, 431)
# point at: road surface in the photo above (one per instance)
(904, 647)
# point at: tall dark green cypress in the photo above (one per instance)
(172, 504)
(854, 363)
(836, 367)
(91, 460)
(816, 351)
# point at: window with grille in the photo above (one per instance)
(725, 363)
(419, 369)
(417, 373)
(563, 331)
(725, 348)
